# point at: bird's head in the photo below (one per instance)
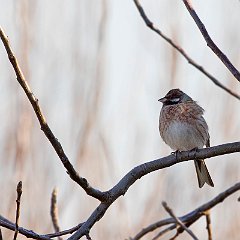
(174, 96)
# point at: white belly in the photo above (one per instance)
(183, 136)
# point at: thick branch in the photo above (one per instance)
(210, 42)
(193, 216)
(181, 51)
(136, 173)
(44, 126)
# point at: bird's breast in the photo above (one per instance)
(181, 136)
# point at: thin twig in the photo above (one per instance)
(54, 211)
(164, 231)
(178, 221)
(192, 216)
(18, 201)
(1, 237)
(31, 234)
(181, 51)
(210, 42)
(44, 126)
(209, 226)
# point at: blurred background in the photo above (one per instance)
(98, 72)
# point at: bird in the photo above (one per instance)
(183, 128)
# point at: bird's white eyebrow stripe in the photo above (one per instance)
(175, 99)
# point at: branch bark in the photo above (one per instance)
(209, 40)
(181, 50)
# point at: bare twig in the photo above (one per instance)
(181, 51)
(192, 216)
(209, 227)
(210, 42)
(1, 238)
(54, 211)
(31, 234)
(164, 231)
(178, 221)
(44, 126)
(18, 201)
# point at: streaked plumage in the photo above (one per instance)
(182, 127)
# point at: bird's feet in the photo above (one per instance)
(192, 153)
(176, 154)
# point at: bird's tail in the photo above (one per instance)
(202, 173)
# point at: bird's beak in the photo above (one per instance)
(162, 100)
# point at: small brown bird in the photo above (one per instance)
(183, 128)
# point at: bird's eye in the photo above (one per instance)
(175, 100)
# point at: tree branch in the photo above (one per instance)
(31, 234)
(209, 227)
(44, 126)
(178, 221)
(192, 216)
(210, 42)
(18, 201)
(1, 238)
(54, 212)
(181, 51)
(136, 173)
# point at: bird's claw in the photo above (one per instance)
(176, 154)
(192, 153)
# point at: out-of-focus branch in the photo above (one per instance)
(178, 221)
(210, 42)
(209, 227)
(18, 201)
(181, 51)
(191, 217)
(44, 126)
(54, 211)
